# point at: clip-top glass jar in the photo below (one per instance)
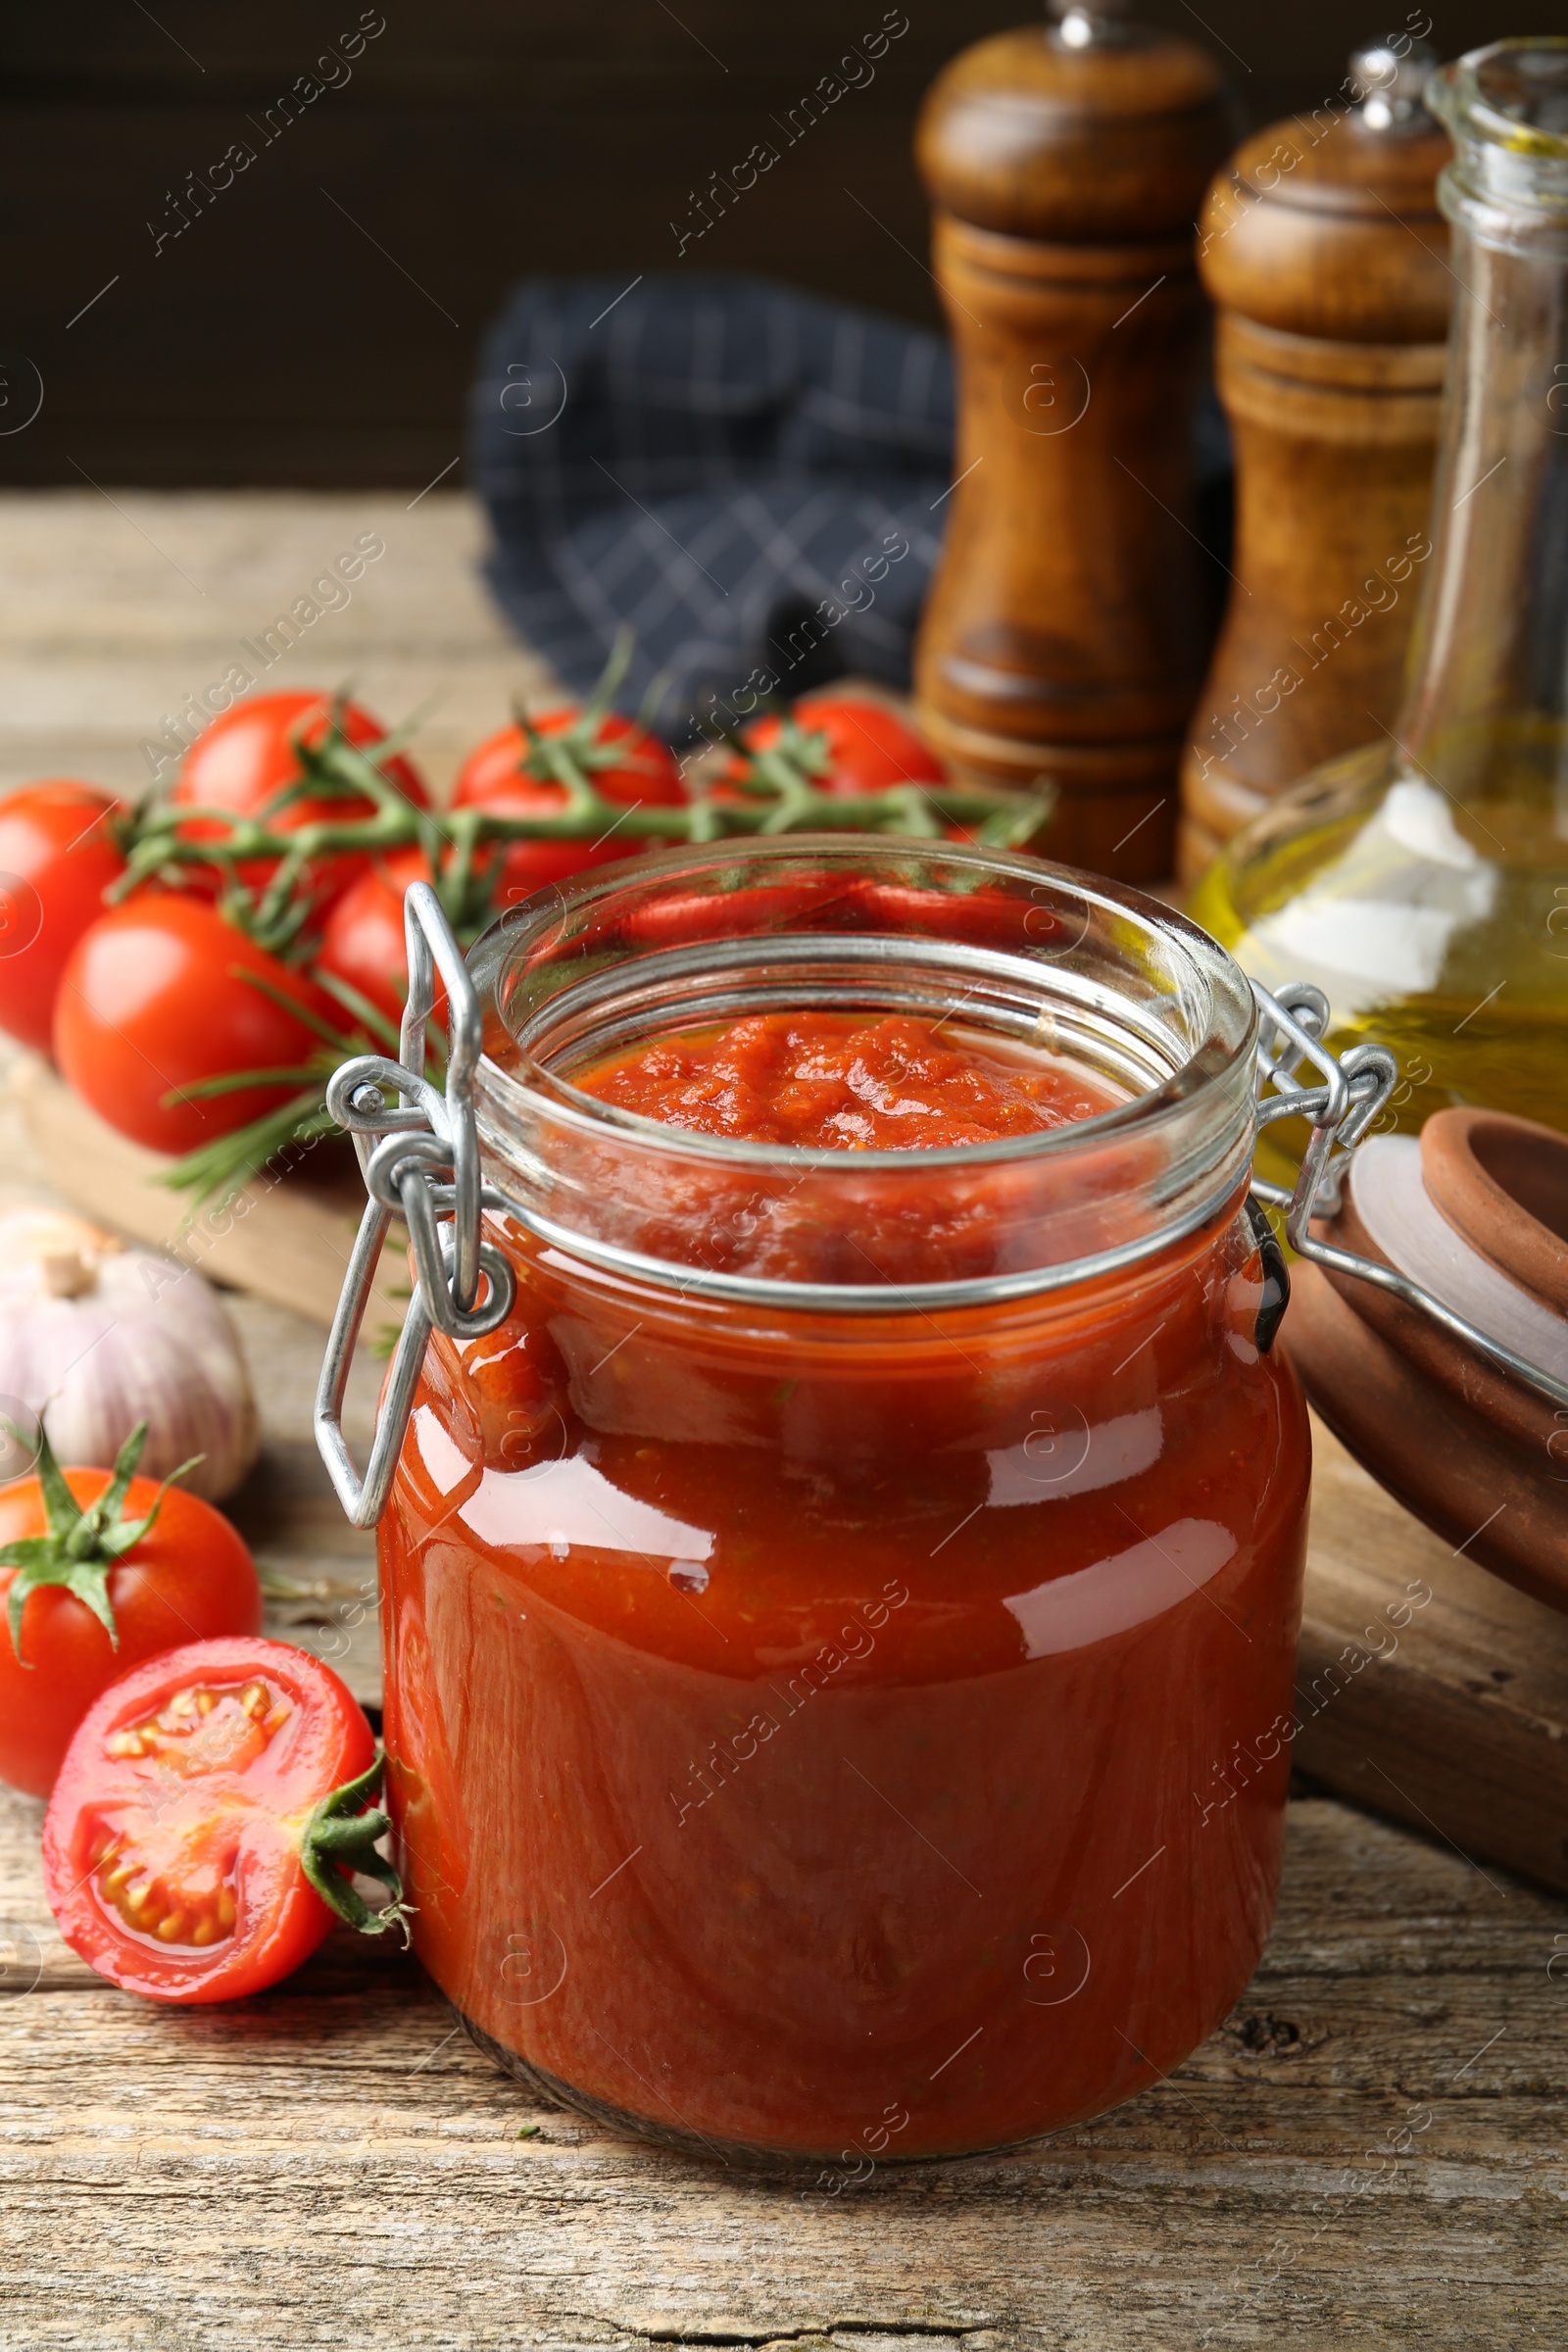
(840, 1624)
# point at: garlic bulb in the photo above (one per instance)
(95, 1337)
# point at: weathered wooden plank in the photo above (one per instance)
(112, 613)
(1269, 2185)
(1427, 1688)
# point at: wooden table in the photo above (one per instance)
(1370, 2151)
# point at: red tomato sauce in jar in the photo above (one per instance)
(819, 1735)
(845, 1081)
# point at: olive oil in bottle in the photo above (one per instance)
(1422, 882)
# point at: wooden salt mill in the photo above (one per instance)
(1323, 246)
(1066, 629)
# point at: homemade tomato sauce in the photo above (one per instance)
(861, 1737)
(845, 1081)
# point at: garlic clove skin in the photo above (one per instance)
(37, 1233)
(97, 1338)
(67, 1274)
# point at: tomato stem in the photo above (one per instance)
(795, 756)
(82, 1545)
(586, 814)
(342, 1835)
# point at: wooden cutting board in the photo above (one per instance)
(1460, 1725)
(1426, 1689)
(285, 1238)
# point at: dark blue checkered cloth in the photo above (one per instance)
(750, 478)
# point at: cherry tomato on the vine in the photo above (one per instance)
(182, 1848)
(494, 778)
(363, 939)
(162, 992)
(188, 1575)
(868, 747)
(250, 755)
(58, 855)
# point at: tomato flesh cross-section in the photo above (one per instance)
(172, 1878)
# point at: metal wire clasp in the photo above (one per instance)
(1356, 1087)
(426, 1171)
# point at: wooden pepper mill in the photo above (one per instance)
(1066, 625)
(1323, 246)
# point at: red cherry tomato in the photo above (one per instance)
(362, 939)
(172, 1844)
(250, 755)
(153, 1001)
(189, 1576)
(58, 855)
(868, 747)
(493, 777)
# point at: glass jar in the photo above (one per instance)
(1423, 882)
(840, 1624)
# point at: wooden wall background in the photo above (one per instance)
(276, 340)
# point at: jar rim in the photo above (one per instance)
(1109, 977)
(503, 938)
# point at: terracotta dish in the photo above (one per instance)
(1477, 1210)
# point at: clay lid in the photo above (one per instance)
(1477, 1213)
(1502, 1183)
(1094, 129)
(1328, 224)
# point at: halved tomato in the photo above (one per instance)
(209, 1805)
